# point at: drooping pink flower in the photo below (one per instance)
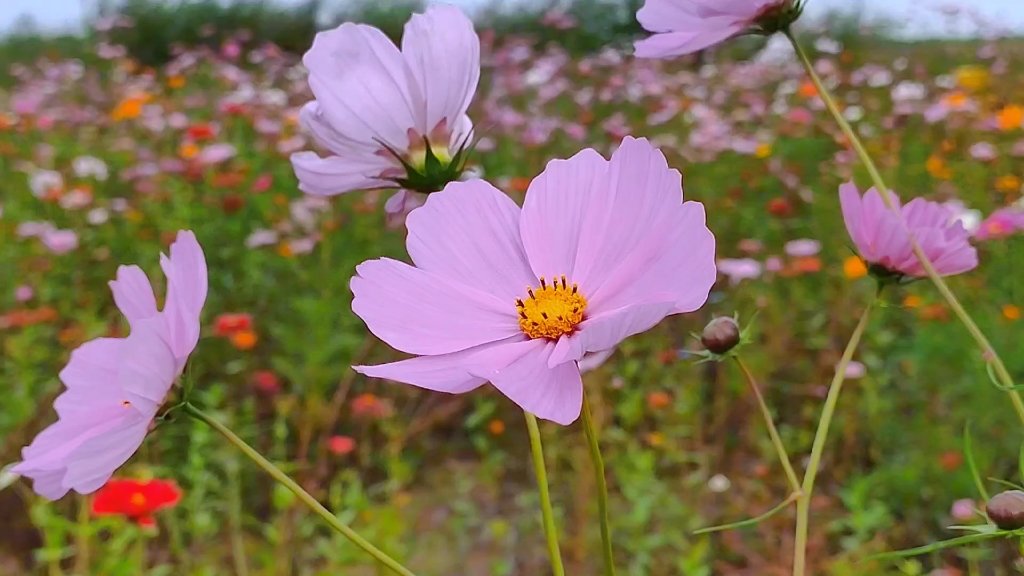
(687, 26)
(116, 385)
(380, 110)
(601, 250)
(1001, 223)
(883, 238)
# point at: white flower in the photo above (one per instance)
(42, 182)
(90, 167)
(719, 483)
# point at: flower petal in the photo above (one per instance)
(360, 81)
(421, 312)
(148, 366)
(670, 44)
(605, 331)
(337, 174)
(469, 232)
(96, 460)
(443, 54)
(554, 394)
(133, 294)
(451, 373)
(186, 293)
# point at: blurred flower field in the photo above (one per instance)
(103, 161)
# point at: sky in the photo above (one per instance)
(67, 14)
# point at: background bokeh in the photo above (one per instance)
(162, 117)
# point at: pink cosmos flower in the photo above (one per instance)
(378, 108)
(1001, 223)
(601, 250)
(687, 26)
(116, 385)
(883, 238)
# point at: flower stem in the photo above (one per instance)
(302, 495)
(803, 505)
(876, 178)
(602, 487)
(550, 531)
(82, 536)
(780, 449)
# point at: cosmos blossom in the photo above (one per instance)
(686, 26)
(883, 239)
(116, 385)
(1001, 223)
(136, 500)
(383, 112)
(601, 250)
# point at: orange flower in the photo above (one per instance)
(1008, 184)
(284, 250)
(807, 89)
(1011, 312)
(1010, 118)
(518, 184)
(496, 427)
(368, 405)
(854, 267)
(244, 340)
(130, 107)
(763, 151)
(188, 150)
(955, 99)
(934, 312)
(657, 400)
(807, 265)
(176, 82)
(912, 301)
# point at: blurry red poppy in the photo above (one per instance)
(266, 381)
(137, 500)
(368, 405)
(201, 132)
(779, 207)
(229, 323)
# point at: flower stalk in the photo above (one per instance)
(550, 531)
(803, 504)
(590, 430)
(780, 449)
(989, 353)
(301, 494)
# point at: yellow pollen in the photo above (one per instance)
(551, 311)
(137, 499)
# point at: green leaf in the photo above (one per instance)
(969, 454)
(749, 522)
(977, 528)
(951, 543)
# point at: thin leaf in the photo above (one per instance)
(951, 543)
(969, 454)
(1020, 463)
(977, 528)
(748, 522)
(1004, 483)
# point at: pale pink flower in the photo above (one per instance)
(1001, 223)
(963, 510)
(217, 153)
(59, 241)
(378, 108)
(116, 385)
(24, 293)
(687, 26)
(984, 151)
(601, 250)
(740, 269)
(802, 248)
(883, 238)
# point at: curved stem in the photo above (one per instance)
(550, 531)
(803, 505)
(302, 495)
(602, 487)
(876, 178)
(780, 449)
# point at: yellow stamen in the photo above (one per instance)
(551, 311)
(137, 499)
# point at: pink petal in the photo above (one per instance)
(554, 394)
(338, 174)
(483, 224)
(557, 203)
(670, 44)
(451, 373)
(148, 366)
(53, 446)
(96, 460)
(186, 293)
(421, 312)
(850, 203)
(605, 331)
(443, 54)
(133, 294)
(360, 81)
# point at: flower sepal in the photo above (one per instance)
(434, 173)
(777, 17)
(722, 338)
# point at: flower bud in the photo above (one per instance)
(720, 335)
(1006, 509)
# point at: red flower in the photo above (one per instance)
(230, 323)
(266, 381)
(341, 445)
(136, 499)
(201, 132)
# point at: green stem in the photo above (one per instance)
(876, 178)
(803, 505)
(780, 449)
(302, 495)
(83, 534)
(550, 531)
(602, 487)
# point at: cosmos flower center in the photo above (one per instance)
(551, 311)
